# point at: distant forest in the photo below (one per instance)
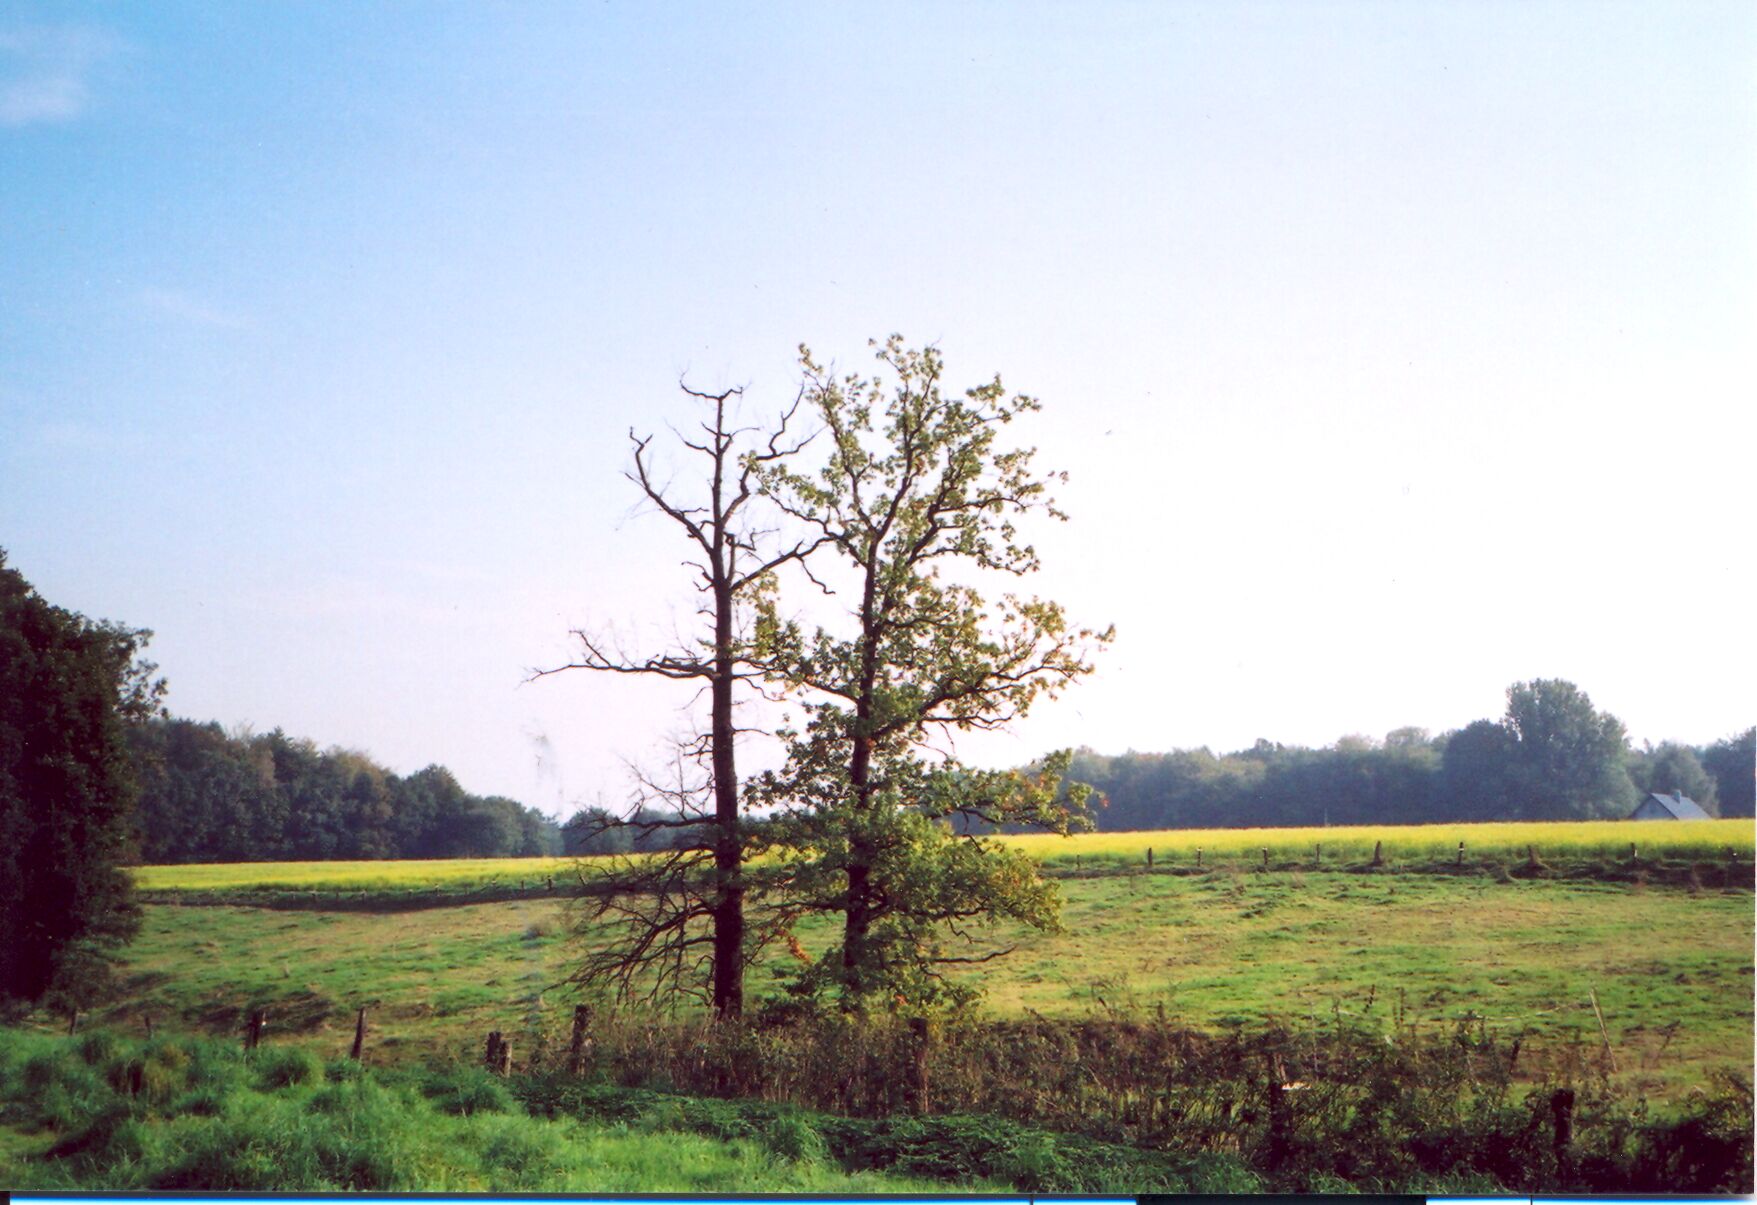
(207, 795)
(211, 796)
(1409, 777)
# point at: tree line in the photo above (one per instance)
(206, 795)
(1489, 770)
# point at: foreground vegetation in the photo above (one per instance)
(98, 1111)
(103, 1112)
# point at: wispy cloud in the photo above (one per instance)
(46, 74)
(184, 307)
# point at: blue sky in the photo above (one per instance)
(1398, 352)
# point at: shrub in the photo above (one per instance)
(285, 1066)
(61, 1092)
(793, 1136)
(99, 1046)
(463, 1091)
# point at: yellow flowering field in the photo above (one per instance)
(413, 875)
(1654, 840)
(1559, 840)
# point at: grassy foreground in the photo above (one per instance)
(97, 1111)
(101, 1112)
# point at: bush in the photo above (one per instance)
(793, 1136)
(62, 1093)
(99, 1046)
(523, 1156)
(462, 1091)
(285, 1066)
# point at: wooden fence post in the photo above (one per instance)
(497, 1056)
(359, 1047)
(253, 1029)
(1198, 857)
(1149, 857)
(920, 1042)
(1562, 1112)
(1265, 857)
(146, 1019)
(1378, 853)
(1318, 853)
(580, 1044)
(1279, 1127)
(72, 1020)
(1609, 1058)
(1461, 853)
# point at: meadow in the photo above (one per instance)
(1671, 969)
(1417, 991)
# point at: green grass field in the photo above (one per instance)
(1671, 969)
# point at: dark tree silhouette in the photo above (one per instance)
(69, 686)
(659, 949)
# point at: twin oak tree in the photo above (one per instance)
(897, 499)
(876, 505)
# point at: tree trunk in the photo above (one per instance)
(857, 915)
(580, 1042)
(856, 922)
(728, 853)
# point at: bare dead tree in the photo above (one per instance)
(649, 908)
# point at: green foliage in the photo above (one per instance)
(1567, 758)
(463, 1090)
(1480, 781)
(65, 1126)
(285, 1066)
(210, 796)
(1733, 763)
(1551, 756)
(68, 689)
(915, 488)
(1180, 1113)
